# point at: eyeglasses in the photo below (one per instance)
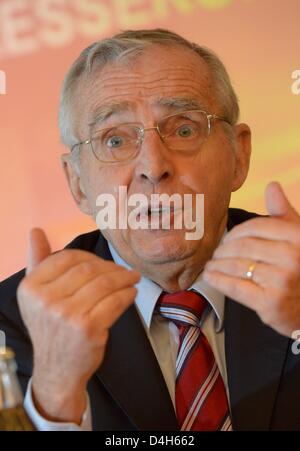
(184, 132)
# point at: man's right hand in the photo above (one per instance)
(68, 301)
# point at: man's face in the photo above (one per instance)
(218, 168)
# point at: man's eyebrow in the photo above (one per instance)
(184, 103)
(102, 113)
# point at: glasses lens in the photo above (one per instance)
(116, 144)
(185, 131)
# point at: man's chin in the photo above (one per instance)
(161, 246)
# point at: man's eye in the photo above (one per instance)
(115, 141)
(185, 131)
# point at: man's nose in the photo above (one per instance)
(154, 162)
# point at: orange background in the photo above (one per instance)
(258, 41)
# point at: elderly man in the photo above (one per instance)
(140, 328)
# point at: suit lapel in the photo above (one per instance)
(130, 371)
(255, 357)
(132, 376)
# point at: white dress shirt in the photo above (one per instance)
(163, 336)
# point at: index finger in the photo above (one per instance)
(268, 228)
(59, 263)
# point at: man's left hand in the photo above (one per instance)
(270, 248)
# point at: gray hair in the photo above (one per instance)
(130, 43)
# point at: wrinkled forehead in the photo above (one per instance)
(151, 80)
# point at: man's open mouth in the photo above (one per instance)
(158, 217)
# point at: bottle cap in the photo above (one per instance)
(6, 353)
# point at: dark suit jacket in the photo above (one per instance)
(128, 391)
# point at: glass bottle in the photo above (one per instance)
(13, 416)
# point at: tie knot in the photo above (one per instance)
(182, 307)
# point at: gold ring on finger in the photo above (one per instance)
(250, 271)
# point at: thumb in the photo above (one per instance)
(39, 248)
(277, 203)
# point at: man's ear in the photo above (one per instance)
(242, 144)
(75, 183)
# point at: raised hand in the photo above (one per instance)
(68, 301)
(268, 249)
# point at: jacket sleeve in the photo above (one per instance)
(14, 330)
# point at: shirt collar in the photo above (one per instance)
(148, 293)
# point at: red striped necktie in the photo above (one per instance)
(201, 400)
